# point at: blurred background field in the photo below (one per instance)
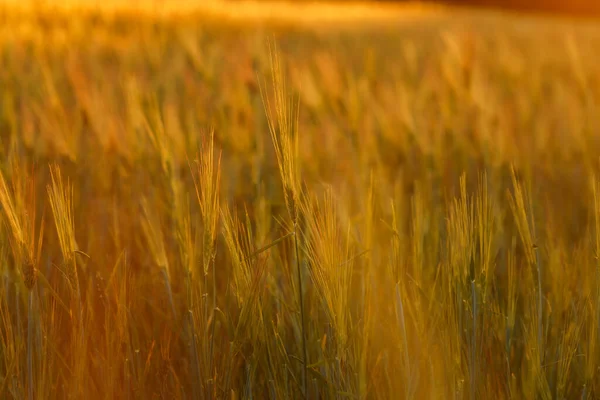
(430, 230)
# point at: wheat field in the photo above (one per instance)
(194, 208)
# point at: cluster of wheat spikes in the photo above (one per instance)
(189, 214)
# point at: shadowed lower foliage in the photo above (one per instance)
(188, 211)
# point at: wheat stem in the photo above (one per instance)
(302, 324)
(195, 361)
(474, 342)
(401, 321)
(30, 333)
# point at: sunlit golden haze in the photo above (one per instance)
(245, 10)
(201, 207)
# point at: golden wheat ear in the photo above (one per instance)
(60, 195)
(10, 212)
(207, 182)
(282, 116)
(283, 127)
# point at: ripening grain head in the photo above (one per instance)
(282, 113)
(20, 212)
(60, 196)
(327, 249)
(10, 213)
(207, 185)
(152, 230)
(238, 243)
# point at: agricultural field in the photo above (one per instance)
(201, 207)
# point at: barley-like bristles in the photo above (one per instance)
(283, 125)
(10, 212)
(61, 201)
(207, 193)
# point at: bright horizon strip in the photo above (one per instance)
(246, 10)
